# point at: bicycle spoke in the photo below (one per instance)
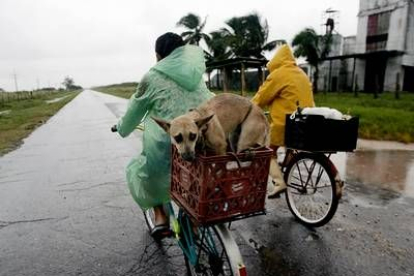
(318, 178)
(294, 186)
(212, 259)
(310, 171)
(295, 177)
(299, 172)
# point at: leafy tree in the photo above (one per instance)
(194, 26)
(314, 48)
(247, 36)
(69, 84)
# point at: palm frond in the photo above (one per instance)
(306, 44)
(190, 21)
(187, 33)
(273, 44)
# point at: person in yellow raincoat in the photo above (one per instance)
(286, 87)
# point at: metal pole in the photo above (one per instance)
(330, 75)
(224, 80)
(353, 76)
(243, 81)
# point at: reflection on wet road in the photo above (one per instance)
(388, 170)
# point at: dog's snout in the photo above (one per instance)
(188, 156)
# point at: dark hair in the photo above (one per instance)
(167, 43)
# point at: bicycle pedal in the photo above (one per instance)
(168, 233)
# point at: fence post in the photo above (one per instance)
(397, 87)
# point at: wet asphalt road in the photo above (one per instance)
(65, 210)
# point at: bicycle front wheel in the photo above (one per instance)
(311, 189)
(217, 254)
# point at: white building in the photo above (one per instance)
(380, 57)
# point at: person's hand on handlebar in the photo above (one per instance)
(114, 128)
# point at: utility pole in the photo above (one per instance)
(15, 81)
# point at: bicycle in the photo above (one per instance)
(208, 247)
(314, 187)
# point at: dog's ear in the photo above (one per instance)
(201, 122)
(162, 123)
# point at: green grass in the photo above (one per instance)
(26, 115)
(123, 90)
(384, 118)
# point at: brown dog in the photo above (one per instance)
(222, 118)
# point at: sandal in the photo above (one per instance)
(160, 231)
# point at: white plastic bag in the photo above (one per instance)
(328, 113)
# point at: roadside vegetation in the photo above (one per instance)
(22, 113)
(123, 90)
(384, 118)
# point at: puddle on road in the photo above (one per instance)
(391, 171)
(56, 100)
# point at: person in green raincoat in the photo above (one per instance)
(169, 89)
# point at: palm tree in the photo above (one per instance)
(218, 46)
(314, 48)
(195, 27)
(247, 36)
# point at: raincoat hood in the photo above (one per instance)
(282, 57)
(185, 66)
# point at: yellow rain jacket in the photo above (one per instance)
(286, 85)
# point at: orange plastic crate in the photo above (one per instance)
(215, 189)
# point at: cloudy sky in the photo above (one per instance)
(100, 42)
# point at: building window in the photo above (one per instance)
(377, 32)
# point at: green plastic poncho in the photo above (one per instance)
(170, 88)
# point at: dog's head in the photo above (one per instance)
(184, 133)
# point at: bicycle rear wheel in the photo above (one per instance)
(217, 253)
(311, 189)
(213, 250)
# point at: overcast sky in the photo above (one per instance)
(100, 42)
